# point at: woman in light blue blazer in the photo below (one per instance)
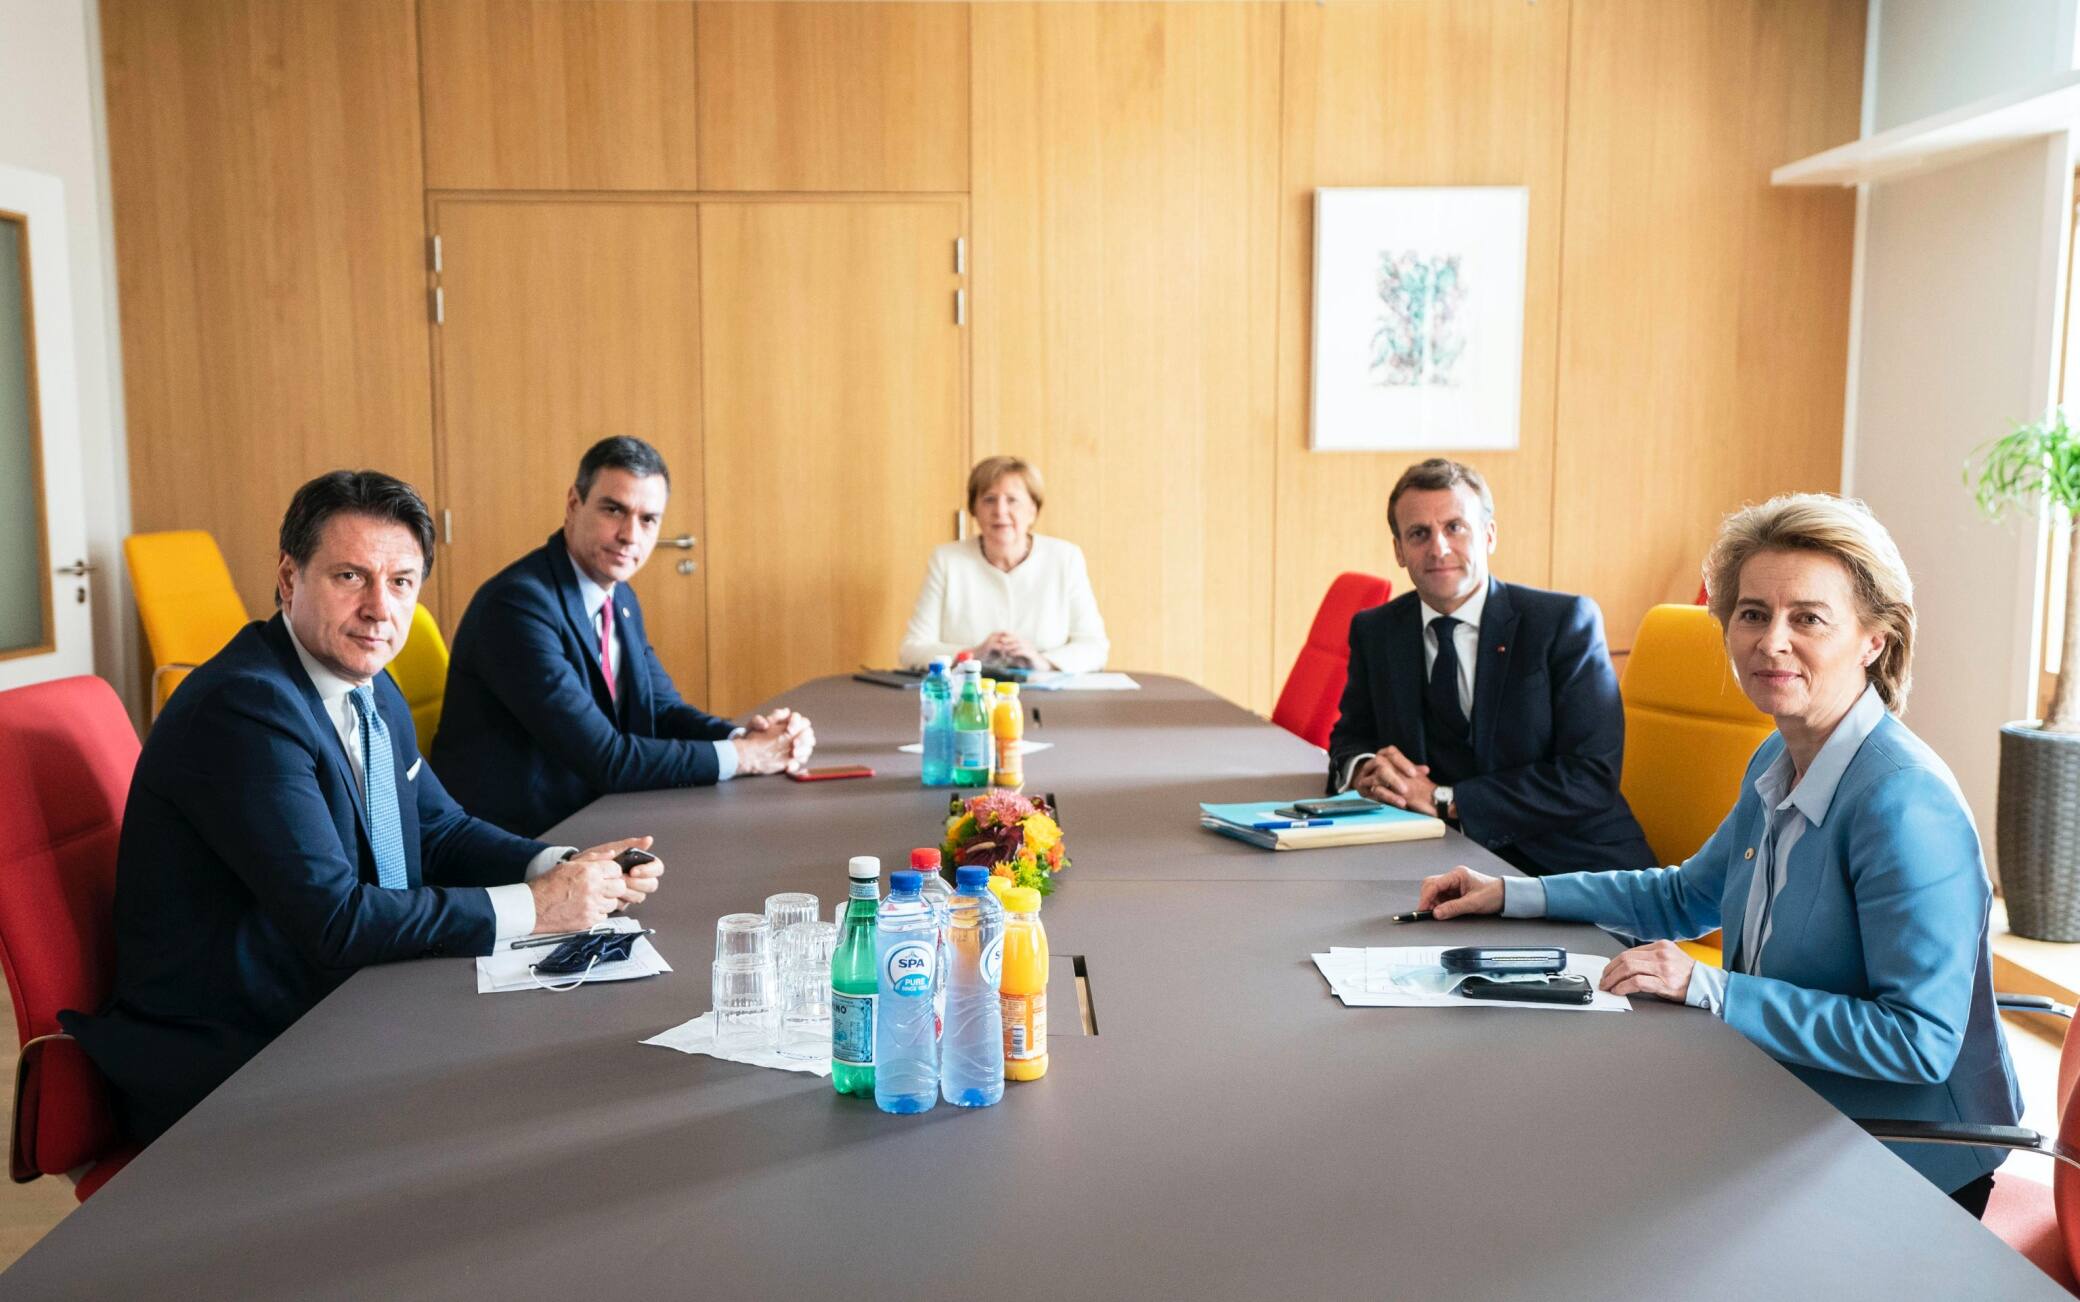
(1848, 876)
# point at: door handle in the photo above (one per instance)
(79, 569)
(684, 542)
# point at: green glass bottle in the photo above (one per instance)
(973, 743)
(854, 982)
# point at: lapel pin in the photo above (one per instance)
(1750, 854)
(1499, 649)
(624, 612)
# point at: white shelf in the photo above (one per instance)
(1945, 138)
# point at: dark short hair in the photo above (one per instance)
(353, 492)
(1438, 472)
(619, 453)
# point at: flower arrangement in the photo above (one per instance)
(1014, 836)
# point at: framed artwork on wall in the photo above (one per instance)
(1418, 318)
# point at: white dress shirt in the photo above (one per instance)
(1045, 599)
(595, 598)
(512, 906)
(1466, 640)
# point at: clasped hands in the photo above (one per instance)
(1392, 779)
(1659, 968)
(780, 742)
(579, 893)
(1010, 649)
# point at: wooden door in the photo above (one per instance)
(565, 321)
(834, 399)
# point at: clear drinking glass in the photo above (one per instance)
(788, 908)
(743, 990)
(805, 990)
(743, 935)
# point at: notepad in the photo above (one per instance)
(1356, 827)
(1413, 976)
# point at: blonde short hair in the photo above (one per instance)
(990, 469)
(1844, 529)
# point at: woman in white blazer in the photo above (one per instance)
(1007, 595)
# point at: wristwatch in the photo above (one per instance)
(1441, 798)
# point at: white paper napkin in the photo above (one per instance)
(698, 1036)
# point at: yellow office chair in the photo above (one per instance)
(421, 673)
(184, 594)
(1689, 734)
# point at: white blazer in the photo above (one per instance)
(1047, 600)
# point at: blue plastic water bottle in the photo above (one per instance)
(935, 725)
(971, 1053)
(906, 955)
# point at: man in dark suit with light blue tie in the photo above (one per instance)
(282, 830)
(555, 696)
(1489, 704)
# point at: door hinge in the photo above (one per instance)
(433, 254)
(447, 527)
(960, 307)
(440, 306)
(960, 256)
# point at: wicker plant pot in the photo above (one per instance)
(2037, 831)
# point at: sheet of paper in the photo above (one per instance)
(1092, 682)
(698, 1036)
(1025, 747)
(510, 969)
(1414, 977)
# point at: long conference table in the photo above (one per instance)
(1229, 1131)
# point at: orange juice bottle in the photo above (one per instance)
(1008, 722)
(1023, 988)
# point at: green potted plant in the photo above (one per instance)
(2037, 818)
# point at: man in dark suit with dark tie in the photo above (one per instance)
(555, 696)
(1489, 704)
(282, 830)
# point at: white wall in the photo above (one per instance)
(1938, 54)
(51, 120)
(1958, 315)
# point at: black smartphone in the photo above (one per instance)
(1339, 805)
(630, 857)
(1562, 988)
(1505, 960)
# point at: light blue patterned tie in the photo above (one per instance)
(379, 782)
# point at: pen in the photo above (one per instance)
(534, 942)
(1279, 824)
(1420, 915)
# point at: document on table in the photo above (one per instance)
(1413, 976)
(512, 969)
(1024, 747)
(1092, 682)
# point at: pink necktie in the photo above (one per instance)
(606, 642)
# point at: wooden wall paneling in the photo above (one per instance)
(270, 257)
(833, 96)
(559, 94)
(1704, 316)
(567, 321)
(835, 401)
(1126, 220)
(1466, 93)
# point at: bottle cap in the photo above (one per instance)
(925, 858)
(937, 666)
(998, 885)
(962, 657)
(970, 877)
(1007, 689)
(863, 867)
(905, 879)
(1021, 899)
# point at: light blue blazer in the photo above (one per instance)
(1875, 986)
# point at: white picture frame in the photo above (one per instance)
(1418, 318)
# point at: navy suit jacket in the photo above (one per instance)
(1548, 728)
(529, 735)
(246, 884)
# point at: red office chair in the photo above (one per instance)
(2041, 1223)
(1307, 707)
(66, 754)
